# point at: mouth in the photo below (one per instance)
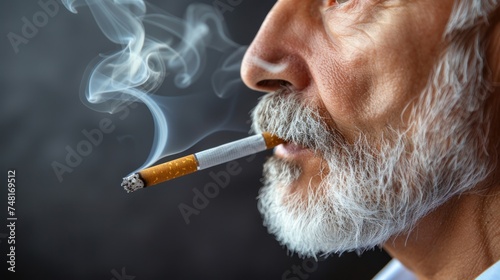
(290, 150)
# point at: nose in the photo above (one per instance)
(277, 56)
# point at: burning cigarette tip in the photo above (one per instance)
(132, 183)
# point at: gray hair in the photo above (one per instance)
(468, 14)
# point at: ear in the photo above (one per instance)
(493, 48)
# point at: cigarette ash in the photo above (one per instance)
(132, 183)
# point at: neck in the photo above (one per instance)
(459, 240)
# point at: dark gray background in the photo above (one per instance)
(87, 227)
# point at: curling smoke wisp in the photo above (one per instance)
(185, 70)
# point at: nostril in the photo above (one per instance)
(266, 83)
(284, 83)
(273, 84)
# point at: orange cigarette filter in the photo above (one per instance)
(199, 161)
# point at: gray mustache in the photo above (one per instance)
(285, 115)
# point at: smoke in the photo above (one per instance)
(185, 70)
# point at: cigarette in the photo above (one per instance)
(199, 161)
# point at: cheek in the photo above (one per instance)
(352, 25)
(367, 92)
(372, 70)
(348, 81)
(346, 84)
(344, 89)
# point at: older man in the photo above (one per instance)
(391, 111)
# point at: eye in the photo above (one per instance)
(329, 3)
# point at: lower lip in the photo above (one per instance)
(290, 150)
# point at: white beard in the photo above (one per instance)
(373, 191)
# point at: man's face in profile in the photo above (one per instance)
(383, 121)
